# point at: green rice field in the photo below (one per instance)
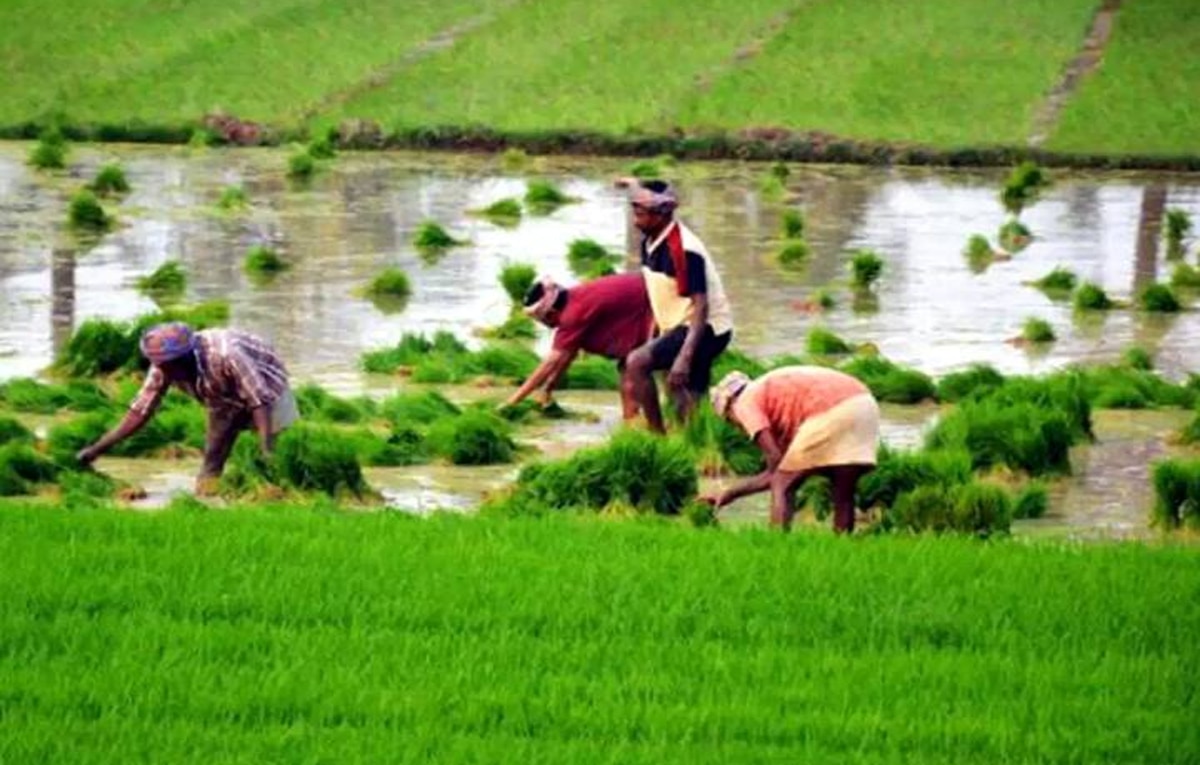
(944, 73)
(308, 635)
(1146, 94)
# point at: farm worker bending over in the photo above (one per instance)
(807, 421)
(238, 377)
(691, 312)
(609, 316)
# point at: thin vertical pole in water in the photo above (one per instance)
(1145, 258)
(62, 297)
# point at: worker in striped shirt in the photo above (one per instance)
(236, 376)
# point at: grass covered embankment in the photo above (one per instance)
(935, 82)
(296, 635)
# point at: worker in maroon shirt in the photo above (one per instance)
(609, 316)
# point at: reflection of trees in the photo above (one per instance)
(62, 296)
(1145, 257)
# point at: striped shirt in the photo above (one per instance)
(677, 266)
(235, 370)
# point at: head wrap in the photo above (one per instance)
(655, 196)
(167, 342)
(541, 298)
(727, 390)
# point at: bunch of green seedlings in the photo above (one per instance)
(233, 198)
(1185, 276)
(1092, 297)
(589, 259)
(1014, 236)
(544, 197)
(302, 166)
(978, 253)
(50, 152)
(865, 269)
(503, 212)
(166, 284)
(1037, 331)
(263, 262)
(432, 240)
(634, 470)
(1058, 283)
(109, 180)
(1177, 228)
(1159, 298)
(86, 214)
(1177, 493)
(823, 342)
(103, 346)
(389, 290)
(1023, 187)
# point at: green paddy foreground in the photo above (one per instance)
(309, 635)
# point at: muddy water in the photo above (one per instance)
(933, 311)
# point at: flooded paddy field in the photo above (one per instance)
(933, 311)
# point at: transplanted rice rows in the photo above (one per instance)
(304, 636)
(947, 73)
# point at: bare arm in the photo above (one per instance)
(758, 483)
(550, 369)
(131, 423)
(262, 425)
(566, 358)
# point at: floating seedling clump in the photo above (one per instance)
(634, 469)
(28, 396)
(301, 166)
(86, 213)
(1037, 331)
(50, 153)
(233, 198)
(473, 437)
(417, 408)
(1121, 386)
(263, 262)
(890, 382)
(432, 238)
(822, 342)
(590, 372)
(110, 180)
(1185, 276)
(1177, 493)
(865, 269)
(390, 283)
(793, 224)
(1023, 187)
(517, 279)
(1159, 298)
(322, 148)
(166, 284)
(1136, 357)
(504, 212)
(22, 469)
(973, 507)
(1014, 236)
(978, 252)
(588, 259)
(1058, 282)
(1177, 228)
(1021, 436)
(974, 381)
(793, 254)
(544, 196)
(1090, 297)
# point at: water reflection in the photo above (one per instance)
(360, 214)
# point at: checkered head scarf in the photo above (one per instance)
(727, 390)
(655, 196)
(541, 298)
(167, 342)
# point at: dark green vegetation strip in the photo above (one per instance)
(1145, 97)
(304, 636)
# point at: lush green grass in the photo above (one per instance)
(571, 64)
(945, 72)
(1145, 97)
(121, 60)
(308, 636)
